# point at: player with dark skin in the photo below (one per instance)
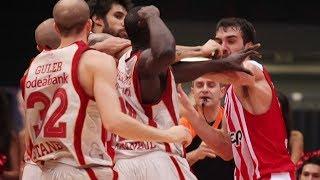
(158, 53)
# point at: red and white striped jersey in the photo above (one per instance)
(59, 126)
(162, 114)
(259, 142)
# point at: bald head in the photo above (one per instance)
(46, 36)
(71, 16)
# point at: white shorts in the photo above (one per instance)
(31, 172)
(280, 176)
(58, 171)
(154, 165)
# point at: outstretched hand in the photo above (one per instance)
(205, 151)
(189, 110)
(234, 61)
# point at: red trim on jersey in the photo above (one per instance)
(148, 111)
(104, 138)
(137, 88)
(168, 102)
(167, 98)
(136, 83)
(103, 134)
(243, 166)
(176, 164)
(167, 147)
(233, 129)
(29, 149)
(110, 150)
(115, 175)
(84, 99)
(91, 174)
(237, 174)
(75, 68)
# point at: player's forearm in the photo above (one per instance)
(162, 42)
(296, 144)
(187, 51)
(195, 69)
(129, 128)
(296, 155)
(95, 38)
(192, 157)
(216, 139)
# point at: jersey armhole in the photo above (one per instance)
(82, 47)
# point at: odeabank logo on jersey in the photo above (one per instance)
(236, 137)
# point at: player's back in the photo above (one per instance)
(59, 126)
(258, 141)
(162, 114)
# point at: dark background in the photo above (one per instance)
(289, 33)
(20, 18)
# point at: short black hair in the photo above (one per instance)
(312, 160)
(138, 34)
(101, 7)
(246, 28)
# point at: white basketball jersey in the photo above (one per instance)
(59, 125)
(163, 114)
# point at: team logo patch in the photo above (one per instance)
(236, 137)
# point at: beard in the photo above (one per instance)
(120, 33)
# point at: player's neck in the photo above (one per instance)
(210, 112)
(67, 41)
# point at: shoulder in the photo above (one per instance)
(256, 68)
(95, 62)
(254, 63)
(95, 58)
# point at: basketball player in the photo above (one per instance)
(253, 115)
(108, 18)
(47, 39)
(46, 36)
(147, 85)
(57, 87)
(310, 169)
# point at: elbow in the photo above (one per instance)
(168, 53)
(225, 152)
(112, 124)
(227, 156)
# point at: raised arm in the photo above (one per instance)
(161, 54)
(98, 77)
(296, 145)
(209, 49)
(217, 139)
(197, 69)
(109, 44)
